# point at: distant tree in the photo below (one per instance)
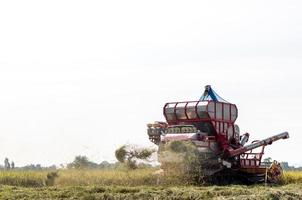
(6, 163)
(12, 165)
(35, 167)
(129, 155)
(52, 167)
(32, 167)
(286, 166)
(268, 160)
(105, 164)
(82, 162)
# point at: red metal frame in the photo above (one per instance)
(247, 162)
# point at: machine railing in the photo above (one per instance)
(252, 159)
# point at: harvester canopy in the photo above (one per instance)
(210, 95)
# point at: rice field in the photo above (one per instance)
(291, 177)
(133, 184)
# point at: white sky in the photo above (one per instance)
(83, 77)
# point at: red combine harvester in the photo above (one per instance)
(210, 125)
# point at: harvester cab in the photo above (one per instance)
(210, 125)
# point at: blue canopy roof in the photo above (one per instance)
(210, 94)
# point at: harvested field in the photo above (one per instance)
(290, 191)
(136, 184)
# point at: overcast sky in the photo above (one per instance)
(84, 77)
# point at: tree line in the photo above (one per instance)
(127, 156)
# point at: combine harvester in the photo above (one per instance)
(209, 124)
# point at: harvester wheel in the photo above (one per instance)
(255, 178)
